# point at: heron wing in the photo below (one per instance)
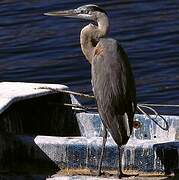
(114, 89)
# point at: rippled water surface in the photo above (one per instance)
(37, 48)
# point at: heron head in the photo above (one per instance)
(89, 12)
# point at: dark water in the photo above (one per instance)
(36, 48)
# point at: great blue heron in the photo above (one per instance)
(112, 78)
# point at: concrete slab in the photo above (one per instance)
(139, 153)
(83, 152)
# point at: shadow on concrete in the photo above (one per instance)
(19, 125)
(168, 153)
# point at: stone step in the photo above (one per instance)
(26, 108)
(39, 154)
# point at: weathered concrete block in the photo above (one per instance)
(80, 152)
(25, 109)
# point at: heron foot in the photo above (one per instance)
(100, 173)
(121, 175)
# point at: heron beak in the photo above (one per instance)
(66, 13)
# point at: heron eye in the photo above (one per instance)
(87, 12)
(84, 11)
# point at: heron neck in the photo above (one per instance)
(91, 34)
(103, 25)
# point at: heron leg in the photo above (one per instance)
(120, 174)
(102, 151)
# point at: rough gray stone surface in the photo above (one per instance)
(145, 151)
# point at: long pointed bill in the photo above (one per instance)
(66, 13)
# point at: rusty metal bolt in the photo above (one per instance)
(136, 124)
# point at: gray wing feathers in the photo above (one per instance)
(114, 89)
